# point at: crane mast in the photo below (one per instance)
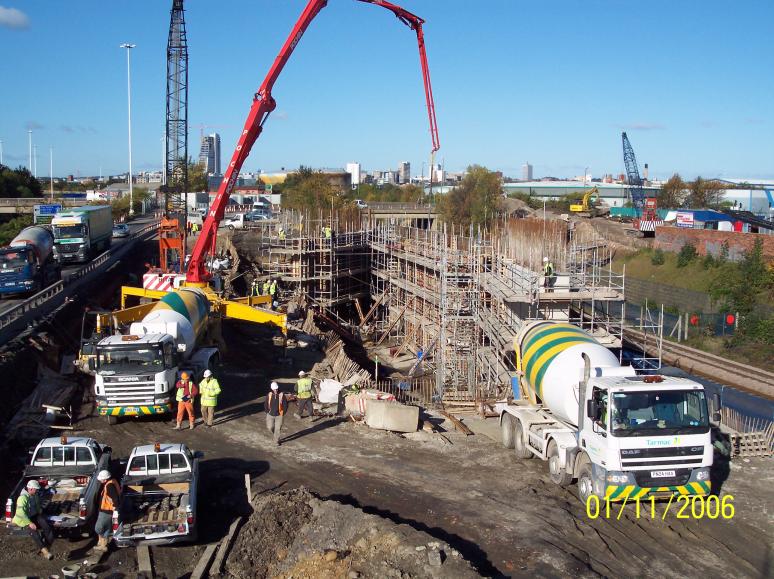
(263, 104)
(632, 174)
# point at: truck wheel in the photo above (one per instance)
(585, 483)
(231, 227)
(112, 420)
(518, 441)
(557, 474)
(506, 431)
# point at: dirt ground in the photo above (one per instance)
(302, 536)
(502, 515)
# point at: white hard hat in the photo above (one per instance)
(274, 386)
(207, 373)
(545, 259)
(33, 484)
(301, 373)
(103, 475)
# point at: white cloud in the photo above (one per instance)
(13, 18)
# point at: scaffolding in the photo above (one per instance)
(455, 299)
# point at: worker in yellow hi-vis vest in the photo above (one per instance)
(304, 395)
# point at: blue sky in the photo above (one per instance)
(549, 82)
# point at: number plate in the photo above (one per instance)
(135, 410)
(661, 473)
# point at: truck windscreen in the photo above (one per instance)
(68, 231)
(13, 259)
(659, 413)
(130, 359)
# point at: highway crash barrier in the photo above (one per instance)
(35, 305)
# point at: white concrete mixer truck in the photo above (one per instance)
(135, 373)
(619, 434)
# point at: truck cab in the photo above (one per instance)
(645, 436)
(66, 468)
(158, 496)
(19, 270)
(135, 375)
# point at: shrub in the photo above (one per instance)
(687, 255)
(658, 257)
(708, 262)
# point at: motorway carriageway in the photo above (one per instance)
(7, 303)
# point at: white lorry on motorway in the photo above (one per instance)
(619, 434)
(158, 496)
(135, 373)
(81, 233)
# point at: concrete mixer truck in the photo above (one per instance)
(27, 264)
(135, 373)
(619, 434)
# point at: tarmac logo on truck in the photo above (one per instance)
(675, 440)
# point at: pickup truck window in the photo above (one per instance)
(64, 455)
(163, 463)
(83, 455)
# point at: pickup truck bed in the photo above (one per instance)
(154, 513)
(60, 493)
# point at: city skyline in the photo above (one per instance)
(564, 111)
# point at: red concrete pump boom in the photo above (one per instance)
(264, 104)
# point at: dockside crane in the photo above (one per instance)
(263, 104)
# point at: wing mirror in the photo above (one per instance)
(592, 409)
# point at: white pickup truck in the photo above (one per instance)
(158, 496)
(66, 469)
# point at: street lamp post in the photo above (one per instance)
(129, 98)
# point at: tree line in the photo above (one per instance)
(18, 183)
(698, 193)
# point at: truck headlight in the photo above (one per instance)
(702, 474)
(617, 478)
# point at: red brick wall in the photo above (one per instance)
(710, 241)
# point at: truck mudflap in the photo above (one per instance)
(634, 492)
(135, 410)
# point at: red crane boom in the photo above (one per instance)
(264, 104)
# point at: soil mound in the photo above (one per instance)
(296, 534)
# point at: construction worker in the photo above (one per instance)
(273, 289)
(328, 233)
(209, 389)
(266, 286)
(255, 288)
(29, 515)
(548, 274)
(275, 405)
(304, 395)
(186, 394)
(109, 497)
(281, 234)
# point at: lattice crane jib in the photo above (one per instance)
(176, 130)
(632, 174)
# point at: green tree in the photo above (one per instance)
(475, 201)
(310, 190)
(672, 193)
(740, 287)
(9, 229)
(18, 183)
(197, 178)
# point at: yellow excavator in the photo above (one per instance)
(590, 205)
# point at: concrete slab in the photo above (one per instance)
(489, 427)
(392, 416)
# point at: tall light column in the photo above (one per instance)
(29, 133)
(129, 97)
(35, 161)
(51, 170)
(1, 151)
